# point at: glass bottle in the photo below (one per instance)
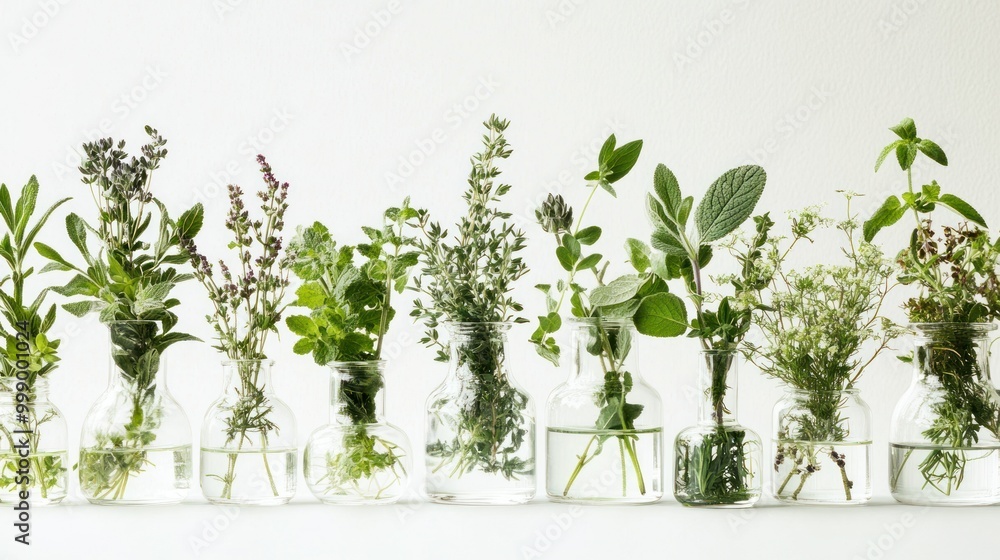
(135, 447)
(717, 461)
(33, 456)
(604, 442)
(944, 440)
(358, 458)
(480, 424)
(248, 451)
(821, 448)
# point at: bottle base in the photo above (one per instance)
(925, 502)
(111, 502)
(637, 501)
(480, 499)
(272, 501)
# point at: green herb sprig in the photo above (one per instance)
(956, 273)
(247, 307)
(24, 329)
(468, 278)
(129, 279)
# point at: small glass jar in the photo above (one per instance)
(33, 456)
(821, 448)
(248, 451)
(358, 458)
(944, 439)
(480, 424)
(717, 461)
(604, 442)
(135, 446)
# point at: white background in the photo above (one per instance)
(360, 104)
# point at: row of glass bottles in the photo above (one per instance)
(604, 439)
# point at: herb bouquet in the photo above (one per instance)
(480, 425)
(248, 452)
(717, 461)
(816, 323)
(605, 423)
(136, 442)
(357, 457)
(945, 431)
(28, 420)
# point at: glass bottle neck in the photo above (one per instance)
(35, 391)
(136, 364)
(477, 349)
(601, 347)
(718, 384)
(245, 377)
(357, 393)
(960, 351)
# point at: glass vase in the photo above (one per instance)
(717, 461)
(821, 448)
(135, 447)
(943, 440)
(33, 456)
(248, 451)
(604, 441)
(480, 424)
(358, 458)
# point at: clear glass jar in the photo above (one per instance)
(944, 440)
(717, 461)
(358, 458)
(135, 447)
(480, 424)
(33, 456)
(821, 448)
(604, 442)
(248, 451)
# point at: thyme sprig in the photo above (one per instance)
(467, 278)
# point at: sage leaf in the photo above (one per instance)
(729, 202)
(616, 291)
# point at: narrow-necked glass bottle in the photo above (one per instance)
(33, 455)
(248, 451)
(135, 447)
(605, 431)
(480, 424)
(358, 458)
(717, 461)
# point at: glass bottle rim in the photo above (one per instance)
(931, 328)
(460, 327)
(853, 391)
(263, 361)
(592, 321)
(358, 365)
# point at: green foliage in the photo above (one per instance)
(129, 278)
(23, 320)
(713, 470)
(467, 278)
(350, 305)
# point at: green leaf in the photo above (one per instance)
(664, 240)
(638, 254)
(550, 323)
(729, 202)
(190, 222)
(588, 235)
(301, 325)
(906, 129)
(885, 153)
(565, 258)
(82, 308)
(571, 245)
(933, 151)
(622, 161)
(667, 189)
(311, 295)
(905, 154)
(303, 346)
(888, 214)
(616, 291)
(963, 208)
(606, 150)
(77, 286)
(77, 231)
(588, 262)
(53, 255)
(931, 192)
(661, 315)
(607, 186)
